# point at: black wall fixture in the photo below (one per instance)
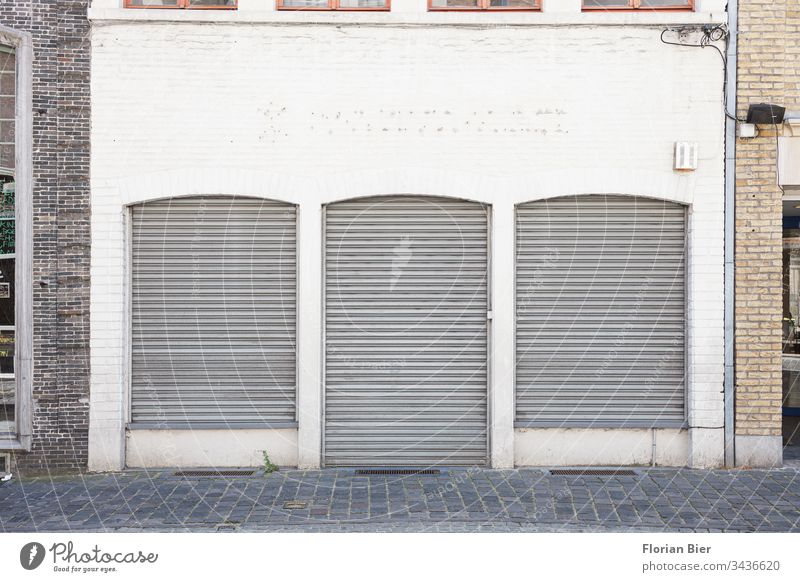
(765, 114)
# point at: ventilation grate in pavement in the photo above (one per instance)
(397, 471)
(213, 473)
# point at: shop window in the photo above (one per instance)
(8, 396)
(484, 4)
(190, 4)
(791, 324)
(16, 217)
(638, 4)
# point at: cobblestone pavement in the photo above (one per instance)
(455, 500)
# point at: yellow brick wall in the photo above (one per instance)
(769, 71)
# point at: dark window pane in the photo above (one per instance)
(454, 4)
(606, 3)
(6, 353)
(7, 400)
(145, 3)
(345, 4)
(8, 387)
(8, 65)
(6, 156)
(513, 4)
(665, 3)
(7, 221)
(7, 132)
(7, 107)
(305, 3)
(8, 85)
(210, 3)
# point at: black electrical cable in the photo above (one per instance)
(710, 36)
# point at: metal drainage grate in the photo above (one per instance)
(295, 504)
(397, 471)
(201, 473)
(594, 472)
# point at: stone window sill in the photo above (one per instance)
(15, 444)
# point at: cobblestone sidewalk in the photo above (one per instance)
(455, 500)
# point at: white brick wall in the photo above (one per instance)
(311, 114)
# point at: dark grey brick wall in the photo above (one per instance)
(61, 236)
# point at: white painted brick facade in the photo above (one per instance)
(315, 113)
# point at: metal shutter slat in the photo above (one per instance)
(601, 314)
(213, 312)
(406, 346)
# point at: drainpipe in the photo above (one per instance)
(730, 227)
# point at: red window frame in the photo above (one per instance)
(484, 6)
(686, 6)
(334, 5)
(185, 5)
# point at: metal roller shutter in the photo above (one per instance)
(601, 312)
(406, 344)
(213, 313)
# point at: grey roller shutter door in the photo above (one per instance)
(213, 313)
(601, 314)
(405, 323)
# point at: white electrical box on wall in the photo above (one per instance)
(686, 156)
(747, 130)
